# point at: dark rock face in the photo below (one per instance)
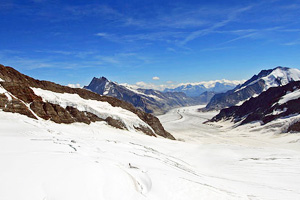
(294, 127)
(147, 100)
(115, 123)
(232, 97)
(205, 97)
(29, 104)
(253, 86)
(264, 108)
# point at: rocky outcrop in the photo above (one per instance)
(268, 106)
(15, 106)
(294, 127)
(24, 101)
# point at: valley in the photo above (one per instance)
(258, 165)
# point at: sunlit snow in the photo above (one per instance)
(44, 160)
(289, 96)
(101, 109)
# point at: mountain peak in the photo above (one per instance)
(257, 84)
(102, 79)
(282, 68)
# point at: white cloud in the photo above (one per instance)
(295, 42)
(155, 78)
(202, 32)
(144, 85)
(76, 85)
(102, 34)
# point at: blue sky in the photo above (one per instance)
(134, 41)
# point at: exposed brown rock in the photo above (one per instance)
(115, 123)
(295, 127)
(22, 92)
(85, 117)
(19, 85)
(145, 130)
(155, 124)
(14, 106)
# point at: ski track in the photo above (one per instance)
(44, 160)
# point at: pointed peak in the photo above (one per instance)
(102, 79)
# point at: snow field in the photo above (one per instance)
(249, 160)
(44, 160)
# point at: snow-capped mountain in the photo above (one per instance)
(257, 84)
(195, 89)
(276, 103)
(148, 100)
(44, 100)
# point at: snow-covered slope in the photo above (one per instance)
(289, 96)
(256, 85)
(44, 160)
(277, 77)
(195, 89)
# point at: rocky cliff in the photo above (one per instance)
(18, 95)
(275, 103)
(254, 86)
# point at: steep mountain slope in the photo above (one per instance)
(275, 103)
(254, 86)
(195, 89)
(148, 100)
(49, 101)
(205, 97)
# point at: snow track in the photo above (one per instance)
(44, 160)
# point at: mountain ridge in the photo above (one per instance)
(254, 86)
(18, 94)
(195, 89)
(272, 104)
(148, 100)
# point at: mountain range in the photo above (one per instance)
(195, 89)
(147, 100)
(253, 87)
(267, 96)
